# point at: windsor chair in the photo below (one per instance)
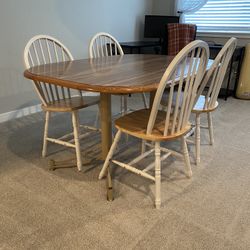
(43, 49)
(208, 103)
(156, 125)
(103, 44)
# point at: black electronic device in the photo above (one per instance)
(155, 26)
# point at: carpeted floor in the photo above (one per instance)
(65, 209)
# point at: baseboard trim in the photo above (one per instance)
(4, 117)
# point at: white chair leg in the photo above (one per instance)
(45, 135)
(144, 100)
(197, 137)
(110, 154)
(125, 100)
(186, 157)
(121, 105)
(157, 175)
(143, 146)
(75, 122)
(210, 128)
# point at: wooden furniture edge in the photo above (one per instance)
(89, 87)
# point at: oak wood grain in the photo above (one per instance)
(71, 104)
(135, 124)
(106, 123)
(116, 74)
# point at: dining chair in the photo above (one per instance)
(103, 44)
(208, 103)
(43, 49)
(178, 36)
(158, 126)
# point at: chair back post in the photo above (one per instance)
(184, 73)
(103, 44)
(43, 49)
(217, 72)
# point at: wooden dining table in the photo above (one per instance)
(107, 75)
(126, 74)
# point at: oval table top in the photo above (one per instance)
(114, 74)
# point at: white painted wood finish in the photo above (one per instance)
(156, 125)
(103, 44)
(43, 49)
(208, 103)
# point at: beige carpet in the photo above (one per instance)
(64, 209)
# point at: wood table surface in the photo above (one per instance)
(113, 74)
(108, 75)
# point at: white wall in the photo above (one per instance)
(71, 21)
(163, 7)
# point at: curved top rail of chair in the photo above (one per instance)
(43, 37)
(99, 36)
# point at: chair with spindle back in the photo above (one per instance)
(103, 44)
(43, 49)
(184, 73)
(208, 103)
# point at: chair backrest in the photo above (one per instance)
(103, 44)
(43, 49)
(215, 75)
(183, 76)
(179, 35)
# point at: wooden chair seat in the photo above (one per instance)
(135, 124)
(71, 104)
(199, 107)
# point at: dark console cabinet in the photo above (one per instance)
(233, 68)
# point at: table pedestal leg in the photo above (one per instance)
(106, 127)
